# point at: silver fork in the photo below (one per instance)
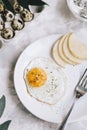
(80, 90)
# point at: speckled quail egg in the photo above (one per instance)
(26, 15)
(17, 8)
(7, 33)
(8, 16)
(17, 24)
(2, 25)
(1, 7)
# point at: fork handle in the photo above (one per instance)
(64, 123)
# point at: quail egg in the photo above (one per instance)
(1, 7)
(8, 16)
(2, 25)
(17, 7)
(17, 24)
(26, 15)
(7, 33)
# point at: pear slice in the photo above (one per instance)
(60, 51)
(77, 48)
(56, 55)
(67, 53)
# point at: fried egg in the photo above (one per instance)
(44, 80)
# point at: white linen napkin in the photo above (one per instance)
(78, 117)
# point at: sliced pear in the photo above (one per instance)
(56, 55)
(77, 48)
(67, 53)
(60, 51)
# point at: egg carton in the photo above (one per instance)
(14, 15)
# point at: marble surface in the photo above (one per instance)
(54, 19)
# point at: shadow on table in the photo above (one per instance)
(63, 10)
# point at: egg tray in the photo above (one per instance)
(12, 18)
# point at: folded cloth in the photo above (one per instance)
(78, 117)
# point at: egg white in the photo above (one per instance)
(53, 89)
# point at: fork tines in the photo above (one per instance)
(81, 87)
(83, 80)
(85, 84)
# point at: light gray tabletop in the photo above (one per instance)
(54, 19)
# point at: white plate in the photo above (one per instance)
(54, 113)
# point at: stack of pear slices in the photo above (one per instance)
(69, 50)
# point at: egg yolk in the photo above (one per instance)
(36, 77)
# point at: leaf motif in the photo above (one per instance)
(36, 2)
(5, 125)
(8, 5)
(2, 105)
(31, 2)
(23, 3)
